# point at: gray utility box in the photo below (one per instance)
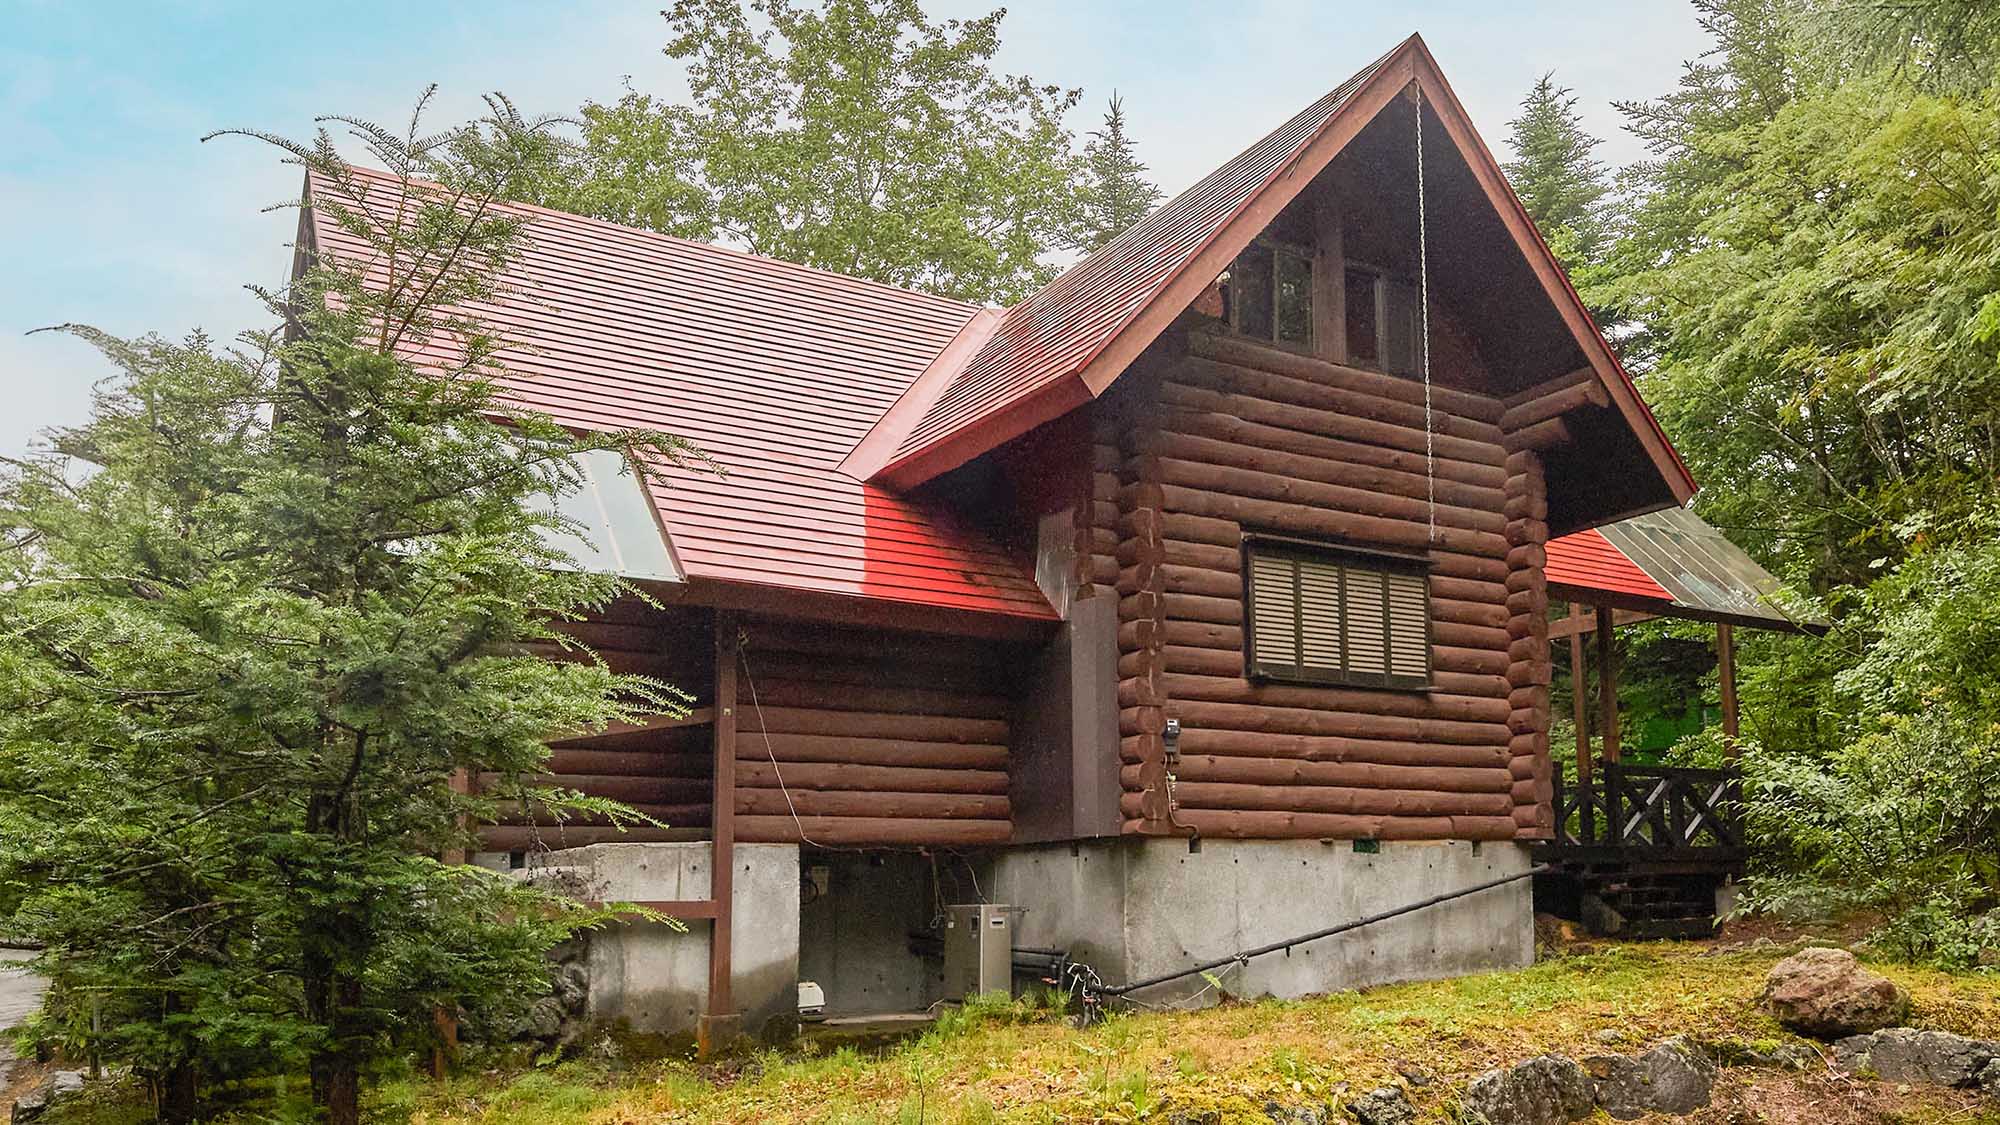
(978, 950)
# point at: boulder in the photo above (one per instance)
(1826, 993)
(1989, 1079)
(1384, 1105)
(1546, 1090)
(46, 1093)
(1672, 1077)
(1776, 1056)
(1904, 1054)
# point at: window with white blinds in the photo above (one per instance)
(1327, 616)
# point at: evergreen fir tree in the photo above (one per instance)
(1118, 194)
(1563, 186)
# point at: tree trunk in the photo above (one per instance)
(178, 1094)
(332, 987)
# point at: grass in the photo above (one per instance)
(1011, 1063)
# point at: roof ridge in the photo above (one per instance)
(783, 265)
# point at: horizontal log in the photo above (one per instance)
(1359, 775)
(1238, 350)
(1181, 687)
(1397, 489)
(751, 746)
(1298, 720)
(1302, 519)
(868, 724)
(1198, 529)
(769, 668)
(893, 700)
(1203, 413)
(862, 831)
(528, 838)
(693, 762)
(1229, 662)
(1295, 404)
(1192, 795)
(1293, 488)
(752, 774)
(1469, 636)
(919, 806)
(630, 788)
(1556, 396)
(1234, 824)
(684, 814)
(773, 636)
(1222, 742)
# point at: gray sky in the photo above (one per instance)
(112, 214)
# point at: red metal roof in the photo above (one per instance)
(1052, 336)
(775, 371)
(1587, 560)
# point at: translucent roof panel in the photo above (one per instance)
(622, 534)
(1699, 571)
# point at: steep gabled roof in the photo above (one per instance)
(775, 371)
(1067, 343)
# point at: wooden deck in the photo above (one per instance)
(1642, 850)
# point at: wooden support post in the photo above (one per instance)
(1579, 687)
(717, 1023)
(1725, 671)
(1607, 684)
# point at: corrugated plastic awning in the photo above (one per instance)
(1673, 564)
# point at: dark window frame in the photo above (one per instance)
(1280, 251)
(1385, 282)
(1346, 556)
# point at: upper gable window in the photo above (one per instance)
(1269, 294)
(1382, 321)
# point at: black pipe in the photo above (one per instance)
(1245, 955)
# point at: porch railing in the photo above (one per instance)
(1662, 812)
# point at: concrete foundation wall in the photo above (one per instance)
(654, 978)
(1137, 908)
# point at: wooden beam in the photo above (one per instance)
(1579, 686)
(1607, 684)
(1585, 621)
(722, 855)
(1725, 671)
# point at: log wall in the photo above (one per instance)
(1229, 435)
(665, 774)
(849, 736)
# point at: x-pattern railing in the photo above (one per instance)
(1653, 808)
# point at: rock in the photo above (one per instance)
(545, 1019)
(1776, 1056)
(1989, 1079)
(1672, 1077)
(1384, 1105)
(1904, 1054)
(1546, 1090)
(57, 1086)
(1610, 1036)
(1283, 1115)
(1826, 993)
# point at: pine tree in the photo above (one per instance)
(1118, 194)
(259, 614)
(1563, 186)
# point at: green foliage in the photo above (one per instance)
(1807, 281)
(858, 136)
(1118, 192)
(259, 613)
(1562, 185)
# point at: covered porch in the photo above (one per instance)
(1643, 849)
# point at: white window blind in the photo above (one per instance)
(1329, 617)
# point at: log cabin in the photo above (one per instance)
(1198, 600)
